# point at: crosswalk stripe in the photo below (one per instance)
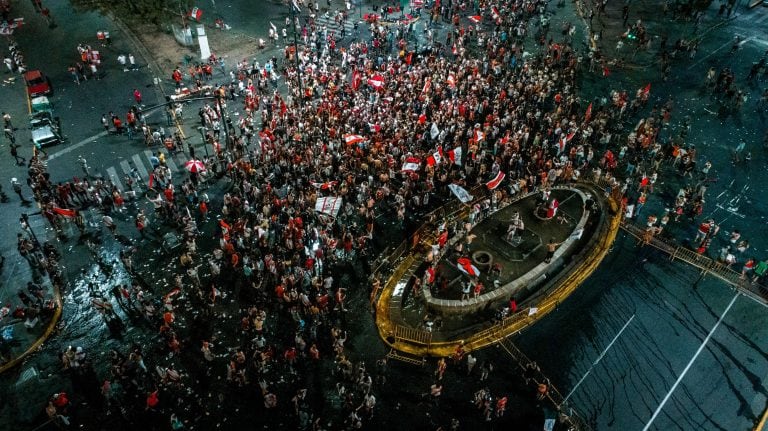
(140, 166)
(112, 172)
(171, 164)
(126, 167)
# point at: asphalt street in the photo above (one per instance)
(633, 384)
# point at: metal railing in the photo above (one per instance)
(706, 264)
(567, 413)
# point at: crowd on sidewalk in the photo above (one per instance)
(381, 126)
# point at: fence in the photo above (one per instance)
(706, 264)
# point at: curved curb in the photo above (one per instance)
(43, 338)
(515, 323)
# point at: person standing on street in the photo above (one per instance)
(137, 96)
(15, 154)
(17, 189)
(7, 121)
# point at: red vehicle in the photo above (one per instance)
(37, 83)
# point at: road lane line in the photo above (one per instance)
(730, 42)
(76, 146)
(687, 367)
(599, 358)
(90, 139)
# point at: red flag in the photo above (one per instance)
(151, 180)
(588, 114)
(409, 58)
(324, 186)
(173, 292)
(431, 275)
(224, 225)
(492, 184)
(376, 81)
(647, 89)
(411, 164)
(356, 80)
(476, 19)
(466, 266)
(66, 212)
(422, 118)
(606, 71)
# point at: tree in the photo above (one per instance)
(153, 11)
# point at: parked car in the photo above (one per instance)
(46, 130)
(37, 83)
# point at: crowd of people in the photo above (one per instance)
(383, 126)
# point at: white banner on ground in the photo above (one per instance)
(460, 192)
(328, 205)
(202, 40)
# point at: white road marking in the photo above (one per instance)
(599, 358)
(125, 166)
(688, 367)
(730, 42)
(140, 166)
(76, 146)
(112, 173)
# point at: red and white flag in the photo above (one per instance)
(475, 18)
(328, 205)
(465, 266)
(353, 139)
(454, 50)
(356, 80)
(324, 186)
(375, 128)
(376, 81)
(196, 13)
(435, 158)
(647, 90)
(478, 136)
(495, 13)
(563, 141)
(427, 85)
(455, 155)
(411, 164)
(451, 80)
(492, 184)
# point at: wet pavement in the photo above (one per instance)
(622, 391)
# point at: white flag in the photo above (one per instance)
(434, 131)
(460, 193)
(532, 311)
(328, 205)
